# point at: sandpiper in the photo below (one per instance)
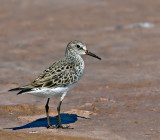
(59, 78)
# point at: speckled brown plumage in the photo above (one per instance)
(61, 73)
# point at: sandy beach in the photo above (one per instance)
(118, 98)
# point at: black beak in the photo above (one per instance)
(92, 54)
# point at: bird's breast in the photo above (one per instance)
(80, 69)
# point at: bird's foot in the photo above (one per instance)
(51, 127)
(62, 127)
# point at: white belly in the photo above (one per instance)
(51, 92)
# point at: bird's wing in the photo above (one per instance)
(61, 73)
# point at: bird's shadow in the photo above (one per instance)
(42, 122)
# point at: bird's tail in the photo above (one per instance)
(22, 89)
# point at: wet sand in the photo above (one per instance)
(118, 98)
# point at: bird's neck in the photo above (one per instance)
(72, 55)
(76, 58)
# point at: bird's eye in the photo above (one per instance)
(78, 46)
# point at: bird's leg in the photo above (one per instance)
(59, 117)
(47, 113)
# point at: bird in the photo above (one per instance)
(58, 79)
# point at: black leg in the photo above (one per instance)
(47, 113)
(59, 117)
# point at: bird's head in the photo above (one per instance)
(79, 48)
